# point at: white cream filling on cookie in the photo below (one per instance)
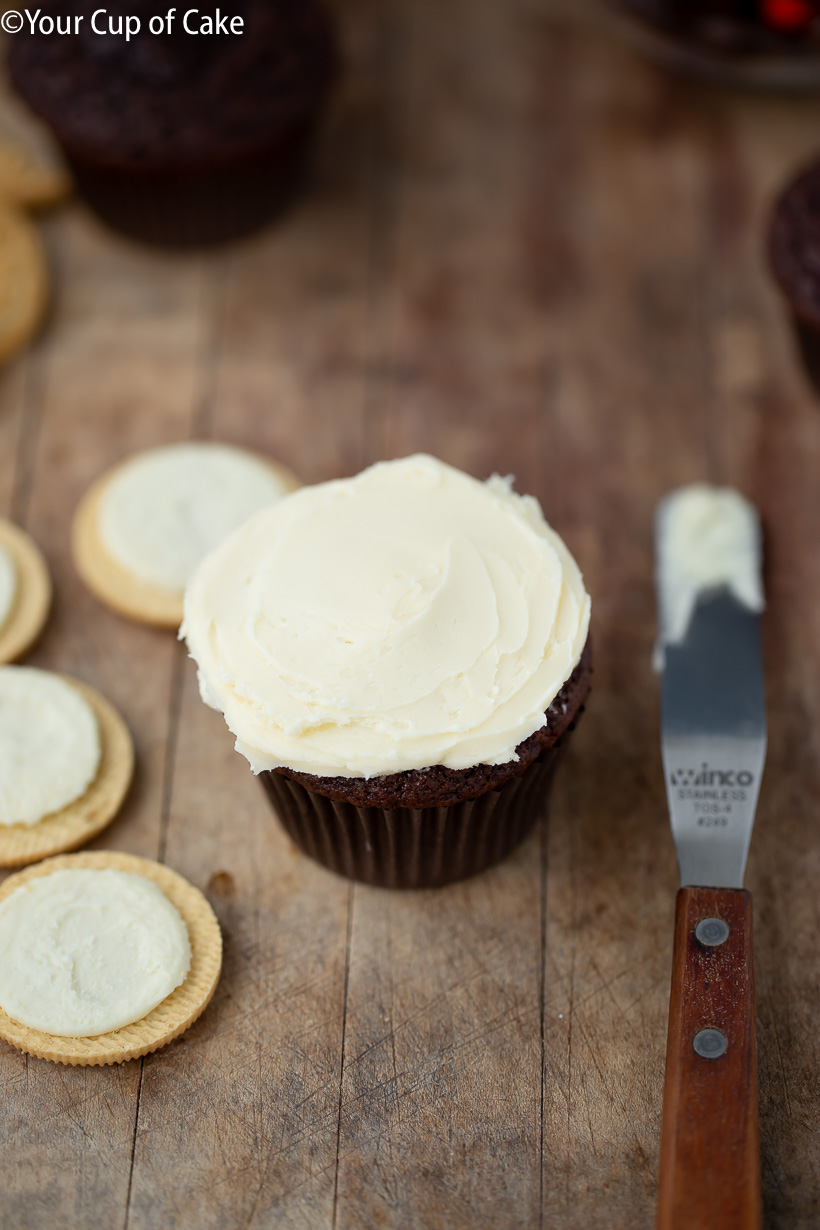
(84, 951)
(49, 744)
(163, 511)
(8, 585)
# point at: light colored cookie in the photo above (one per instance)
(171, 1017)
(122, 590)
(29, 180)
(81, 820)
(23, 280)
(33, 597)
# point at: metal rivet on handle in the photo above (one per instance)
(712, 932)
(710, 1043)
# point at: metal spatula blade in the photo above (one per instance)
(714, 739)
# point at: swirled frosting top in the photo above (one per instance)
(408, 617)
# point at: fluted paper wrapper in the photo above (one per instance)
(181, 207)
(413, 847)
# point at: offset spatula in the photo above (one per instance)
(714, 744)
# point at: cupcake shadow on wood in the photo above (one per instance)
(401, 657)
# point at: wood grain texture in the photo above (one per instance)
(86, 410)
(710, 1139)
(526, 250)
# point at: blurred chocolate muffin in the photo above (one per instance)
(177, 138)
(794, 253)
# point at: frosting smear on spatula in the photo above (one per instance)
(708, 538)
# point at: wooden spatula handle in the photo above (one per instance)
(710, 1148)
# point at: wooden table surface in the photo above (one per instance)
(527, 251)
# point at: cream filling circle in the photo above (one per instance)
(49, 744)
(163, 511)
(84, 951)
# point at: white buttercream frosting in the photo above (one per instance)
(49, 744)
(164, 510)
(408, 617)
(84, 951)
(8, 585)
(707, 538)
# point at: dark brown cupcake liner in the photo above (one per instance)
(406, 847)
(193, 207)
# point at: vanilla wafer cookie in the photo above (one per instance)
(80, 819)
(23, 280)
(143, 527)
(30, 179)
(26, 591)
(173, 1014)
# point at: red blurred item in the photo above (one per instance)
(789, 16)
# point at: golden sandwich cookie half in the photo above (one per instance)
(174, 1014)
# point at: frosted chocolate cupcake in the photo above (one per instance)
(399, 656)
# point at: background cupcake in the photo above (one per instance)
(180, 138)
(398, 654)
(794, 249)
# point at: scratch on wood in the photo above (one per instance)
(780, 1061)
(391, 1019)
(175, 709)
(350, 899)
(203, 417)
(605, 984)
(133, 1148)
(385, 191)
(573, 877)
(201, 424)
